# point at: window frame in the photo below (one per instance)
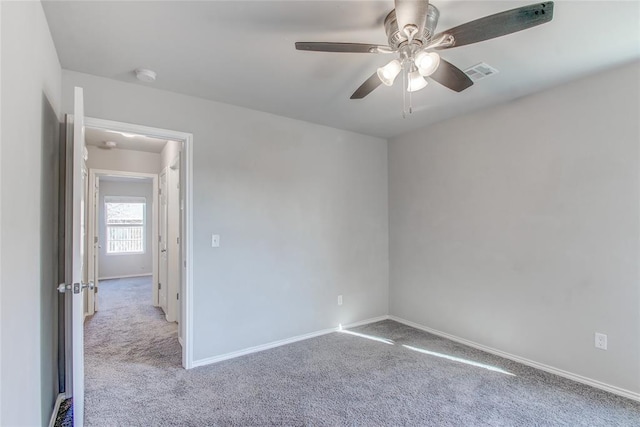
(132, 200)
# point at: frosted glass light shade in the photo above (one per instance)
(388, 73)
(416, 81)
(427, 62)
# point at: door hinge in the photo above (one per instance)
(177, 296)
(159, 238)
(177, 240)
(95, 239)
(159, 285)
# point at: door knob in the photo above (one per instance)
(77, 287)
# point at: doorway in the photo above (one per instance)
(171, 225)
(122, 219)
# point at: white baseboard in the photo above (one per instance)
(52, 421)
(128, 276)
(273, 344)
(562, 373)
(364, 322)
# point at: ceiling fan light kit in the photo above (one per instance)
(389, 72)
(427, 62)
(410, 29)
(416, 81)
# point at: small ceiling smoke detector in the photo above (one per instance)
(145, 75)
(110, 144)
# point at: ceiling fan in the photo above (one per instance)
(410, 29)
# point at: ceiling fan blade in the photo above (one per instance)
(342, 47)
(500, 24)
(450, 76)
(367, 87)
(411, 13)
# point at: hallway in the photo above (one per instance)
(127, 344)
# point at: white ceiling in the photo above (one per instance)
(242, 53)
(97, 138)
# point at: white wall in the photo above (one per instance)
(110, 266)
(122, 160)
(30, 114)
(518, 227)
(301, 210)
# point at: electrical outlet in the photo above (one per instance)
(601, 341)
(339, 299)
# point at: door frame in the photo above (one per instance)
(186, 294)
(93, 219)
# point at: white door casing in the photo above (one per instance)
(182, 200)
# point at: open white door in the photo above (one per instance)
(173, 239)
(163, 236)
(74, 288)
(94, 244)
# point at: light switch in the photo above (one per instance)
(215, 240)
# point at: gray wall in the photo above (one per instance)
(30, 107)
(518, 227)
(110, 266)
(301, 210)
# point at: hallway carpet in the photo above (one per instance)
(383, 374)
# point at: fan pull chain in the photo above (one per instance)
(410, 103)
(406, 108)
(404, 91)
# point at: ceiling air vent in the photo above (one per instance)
(480, 71)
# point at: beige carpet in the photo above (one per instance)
(386, 374)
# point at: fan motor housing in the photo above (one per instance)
(398, 39)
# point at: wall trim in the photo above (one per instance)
(273, 344)
(541, 366)
(129, 276)
(52, 420)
